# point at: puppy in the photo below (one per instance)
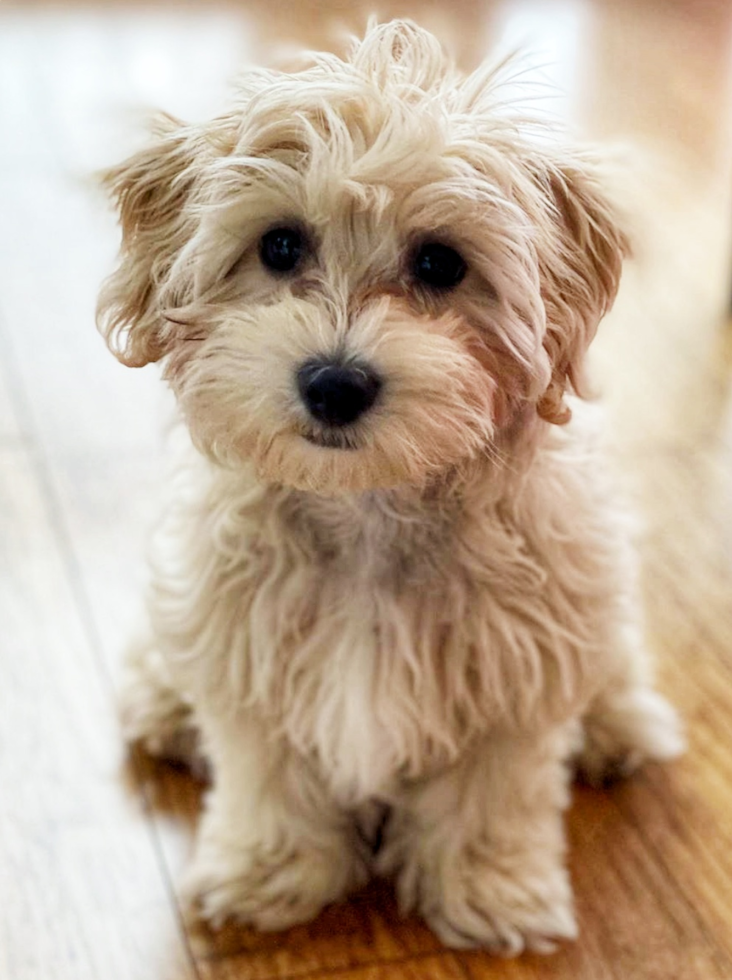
(390, 586)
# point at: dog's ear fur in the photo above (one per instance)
(150, 190)
(580, 264)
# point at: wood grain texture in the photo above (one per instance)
(82, 890)
(92, 845)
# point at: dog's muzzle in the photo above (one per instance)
(337, 394)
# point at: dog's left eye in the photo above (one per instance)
(281, 249)
(438, 265)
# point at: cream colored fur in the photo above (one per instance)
(425, 615)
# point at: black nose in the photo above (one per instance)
(337, 394)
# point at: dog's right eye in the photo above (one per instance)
(438, 266)
(281, 249)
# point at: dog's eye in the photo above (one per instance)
(438, 265)
(281, 249)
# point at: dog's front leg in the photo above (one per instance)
(273, 847)
(479, 850)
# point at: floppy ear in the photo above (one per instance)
(580, 254)
(150, 190)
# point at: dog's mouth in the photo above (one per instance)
(332, 439)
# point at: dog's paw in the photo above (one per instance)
(270, 888)
(626, 730)
(506, 907)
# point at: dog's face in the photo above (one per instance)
(362, 274)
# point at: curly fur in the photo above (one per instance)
(432, 609)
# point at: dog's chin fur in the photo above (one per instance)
(427, 611)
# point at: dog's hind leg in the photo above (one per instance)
(153, 713)
(628, 722)
(625, 728)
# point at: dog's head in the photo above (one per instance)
(362, 273)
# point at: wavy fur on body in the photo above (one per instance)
(426, 612)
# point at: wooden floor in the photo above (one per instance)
(92, 846)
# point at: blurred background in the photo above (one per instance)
(92, 845)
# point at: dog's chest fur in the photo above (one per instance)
(382, 634)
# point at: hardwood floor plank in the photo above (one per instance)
(442, 967)
(57, 233)
(640, 924)
(637, 919)
(11, 431)
(688, 585)
(365, 931)
(81, 888)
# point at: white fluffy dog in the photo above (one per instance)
(391, 589)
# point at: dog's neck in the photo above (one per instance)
(407, 527)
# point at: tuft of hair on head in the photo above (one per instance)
(400, 51)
